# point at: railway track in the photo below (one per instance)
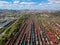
(33, 33)
(12, 40)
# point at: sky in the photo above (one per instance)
(30, 4)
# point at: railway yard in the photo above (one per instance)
(32, 29)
